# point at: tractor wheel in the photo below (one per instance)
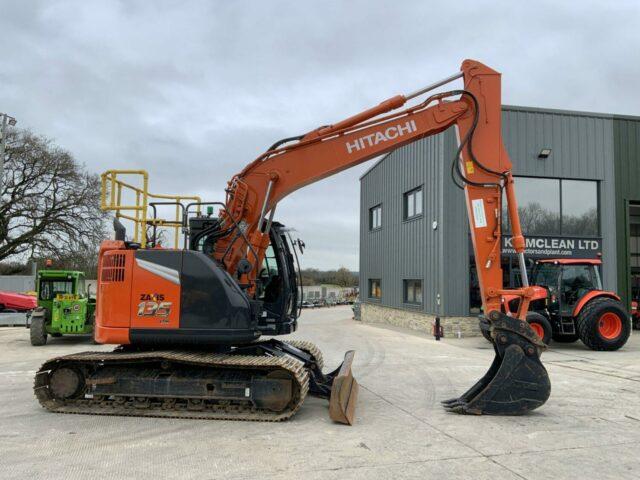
(37, 331)
(540, 325)
(560, 338)
(603, 324)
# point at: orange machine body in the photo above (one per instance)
(137, 297)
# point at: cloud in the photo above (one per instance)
(193, 91)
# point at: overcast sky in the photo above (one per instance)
(192, 91)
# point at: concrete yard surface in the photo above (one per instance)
(589, 428)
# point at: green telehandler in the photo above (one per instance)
(64, 306)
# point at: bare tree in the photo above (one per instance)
(49, 204)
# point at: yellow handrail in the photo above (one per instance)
(111, 200)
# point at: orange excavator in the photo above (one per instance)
(189, 321)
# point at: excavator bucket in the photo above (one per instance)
(516, 382)
(344, 392)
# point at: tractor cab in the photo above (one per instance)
(567, 281)
(64, 306)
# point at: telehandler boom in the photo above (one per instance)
(188, 321)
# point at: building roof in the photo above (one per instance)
(554, 111)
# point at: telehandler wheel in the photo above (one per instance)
(558, 337)
(541, 326)
(38, 332)
(603, 324)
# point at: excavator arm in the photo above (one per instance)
(484, 170)
(516, 382)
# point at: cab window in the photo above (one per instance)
(81, 290)
(269, 265)
(546, 275)
(270, 277)
(50, 288)
(576, 281)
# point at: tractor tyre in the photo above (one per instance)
(560, 338)
(603, 324)
(38, 331)
(541, 326)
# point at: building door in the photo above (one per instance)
(634, 250)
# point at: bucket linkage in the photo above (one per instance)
(516, 382)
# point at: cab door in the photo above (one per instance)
(576, 281)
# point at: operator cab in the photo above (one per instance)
(567, 281)
(277, 280)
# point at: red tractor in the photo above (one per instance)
(570, 304)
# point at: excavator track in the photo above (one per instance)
(310, 348)
(84, 383)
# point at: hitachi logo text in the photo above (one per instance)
(372, 139)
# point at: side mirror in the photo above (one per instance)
(301, 245)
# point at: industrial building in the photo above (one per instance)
(577, 182)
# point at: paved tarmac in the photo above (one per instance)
(590, 427)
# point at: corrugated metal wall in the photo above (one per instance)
(582, 147)
(17, 283)
(398, 250)
(626, 134)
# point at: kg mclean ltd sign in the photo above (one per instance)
(560, 247)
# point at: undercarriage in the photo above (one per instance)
(262, 381)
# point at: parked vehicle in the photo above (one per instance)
(11, 302)
(569, 304)
(306, 304)
(64, 306)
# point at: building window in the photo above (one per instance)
(413, 292)
(375, 288)
(413, 203)
(538, 205)
(375, 217)
(579, 208)
(550, 206)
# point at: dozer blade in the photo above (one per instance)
(344, 393)
(516, 382)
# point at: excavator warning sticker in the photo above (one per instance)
(479, 217)
(470, 169)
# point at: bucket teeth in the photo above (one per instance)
(516, 381)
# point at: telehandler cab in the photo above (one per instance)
(64, 306)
